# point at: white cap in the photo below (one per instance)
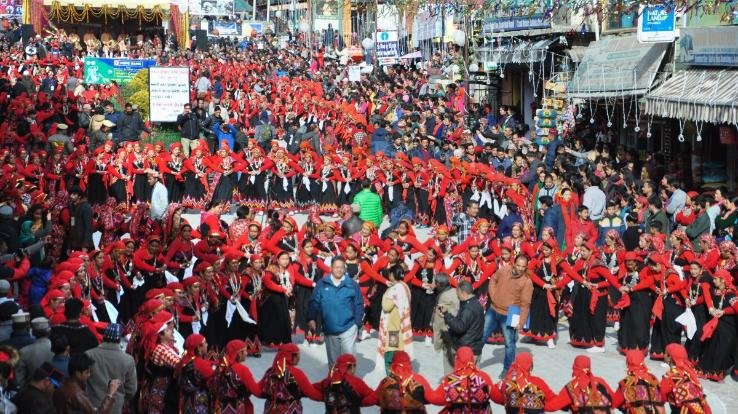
(21, 317)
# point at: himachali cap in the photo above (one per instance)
(21, 317)
(190, 281)
(113, 333)
(39, 324)
(633, 256)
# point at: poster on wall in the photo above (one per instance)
(326, 14)
(221, 28)
(387, 48)
(11, 9)
(169, 91)
(103, 70)
(211, 7)
(250, 28)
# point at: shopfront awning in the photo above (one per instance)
(523, 52)
(616, 66)
(697, 95)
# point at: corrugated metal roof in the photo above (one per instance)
(617, 66)
(523, 52)
(697, 95)
(576, 53)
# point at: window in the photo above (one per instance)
(622, 21)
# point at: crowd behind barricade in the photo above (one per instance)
(524, 231)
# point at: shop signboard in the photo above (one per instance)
(102, 71)
(657, 24)
(387, 48)
(515, 21)
(169, 91)
(709, 46)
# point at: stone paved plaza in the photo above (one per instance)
(553, 365)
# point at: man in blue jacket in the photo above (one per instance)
(338, 302)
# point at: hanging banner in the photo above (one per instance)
(11, 9)
(102, 71)
(211, 7)
(387, 48)
(253, 28)
(169, 91)
(657, 24)
(221, 28)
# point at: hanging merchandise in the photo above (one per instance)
(607, 111)
(638, 116)
(700, 124)
(546, 118)
(681, 130)
(648, 131)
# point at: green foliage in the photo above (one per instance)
(137, 92)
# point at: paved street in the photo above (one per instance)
(554, 366)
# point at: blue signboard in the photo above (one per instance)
(657, 24)
(514, 23)
(709, 46)
(105, 70)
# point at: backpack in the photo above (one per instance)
(340, 398)
(280, 386)
(402, 397)
(528, 397)
(465, 389)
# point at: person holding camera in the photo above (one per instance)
(71, 397)
(467, 326)
(189, 128)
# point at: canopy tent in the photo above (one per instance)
(616, 66)
(697, 95)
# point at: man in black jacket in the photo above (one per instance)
(130, 125)
(80, 337)
(467, 327)
(189, 128)
(81, 231)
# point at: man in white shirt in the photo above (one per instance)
(159, 197)
(594, 199)
(202, 85)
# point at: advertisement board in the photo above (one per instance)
(387, 48)
(101, 71)
(169, 91)
(221, 28)
(657, 24)
(708, 46)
